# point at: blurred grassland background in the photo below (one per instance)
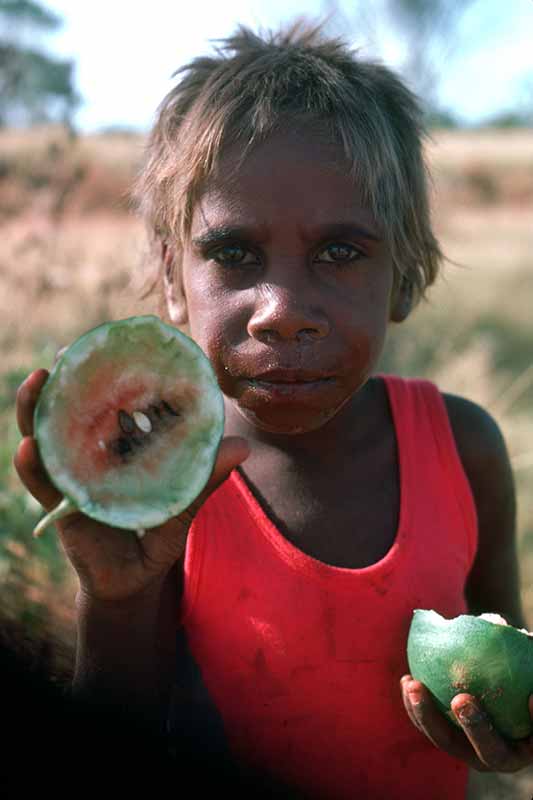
(71, 251)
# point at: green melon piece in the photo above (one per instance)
(479, 656)
(128, 424)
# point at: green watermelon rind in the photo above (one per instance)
(468, 654)
(136, 512)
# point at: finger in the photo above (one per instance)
(428, 718)
(31, 472)
(26, 400)
(404, 682)
(232, 452)
(431, 721)
(166, 543)
(491, 748)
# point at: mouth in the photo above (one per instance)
(291, 386)
(291, 377)
(289, 400)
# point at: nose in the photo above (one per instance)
(281, 314)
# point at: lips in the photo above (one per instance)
(293, 386)
(290, 376)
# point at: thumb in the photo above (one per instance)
(233, 451)
(166, 543)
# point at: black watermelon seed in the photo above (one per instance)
(122, 446)
(134, 437)
(155, 411)
(170, 410)
(127, 423)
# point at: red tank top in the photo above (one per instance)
(302, 659)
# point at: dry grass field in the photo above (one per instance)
(71, 253)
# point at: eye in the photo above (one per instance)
(339, 253)
(233, 255)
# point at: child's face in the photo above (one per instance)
(285, 272)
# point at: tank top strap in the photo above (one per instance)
(422, 424)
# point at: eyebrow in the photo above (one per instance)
(220, 233)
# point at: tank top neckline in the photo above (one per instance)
(321, 570)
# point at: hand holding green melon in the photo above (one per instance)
(477, 672)
(124, 435)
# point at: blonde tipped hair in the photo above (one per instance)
(254, 85)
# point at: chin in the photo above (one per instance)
(287, 426)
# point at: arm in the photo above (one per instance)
(493, 585)
(126, 652)
(129, 597)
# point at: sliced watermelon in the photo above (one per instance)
(129, 423)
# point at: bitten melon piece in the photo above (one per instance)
(128, 424)
(480, 655)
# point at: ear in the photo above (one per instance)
(402, 301)
(174, 294)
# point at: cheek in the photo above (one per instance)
(365, 322)
(210, 334)
(203, 307)
(378, 310)
(212, 325)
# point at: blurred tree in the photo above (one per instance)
(34, 86)
(428, 29)
(425, 34)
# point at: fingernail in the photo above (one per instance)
(415, 697)
(469, 714)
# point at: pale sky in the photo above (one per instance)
(126, 50)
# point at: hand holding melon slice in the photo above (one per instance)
(479, 662)
(124, 434)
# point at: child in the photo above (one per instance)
(286, 192)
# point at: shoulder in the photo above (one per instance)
(476, 433)
(483, 452)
